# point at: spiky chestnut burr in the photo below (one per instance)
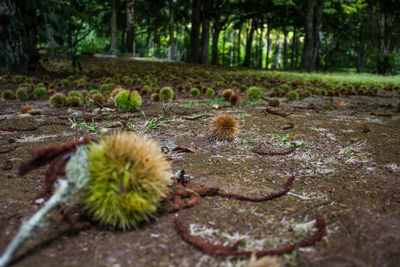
(224, 127)
(128, 178)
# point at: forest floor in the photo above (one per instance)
(347, 170)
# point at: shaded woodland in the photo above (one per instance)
(312, 35)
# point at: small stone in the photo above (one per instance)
(39, 201)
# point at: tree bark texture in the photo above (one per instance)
(205, 39)
(171, 48)
(18, 34)
(249, 41)
(194, 34)
(113, 28)
(130, 27)
(312, 29)
(216, 30)
(268, 47)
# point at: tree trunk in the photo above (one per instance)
(130, 27)
(113, 26)
(194, 34)
(330, 55)
(249, 41)
(171, 47)
(285, 34)
(294, 44)
(18, 34)
(205, 39)
(268, 47)
(260, 49)
(312, 29)
(238, 46)
(214, 49)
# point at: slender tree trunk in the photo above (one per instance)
(331, 49)
(171, 46)
(223, 47)
(292, 65)
(113, 26)
(249, 41)
(156, 38)
(285, 34)
(260, 47)
(130, 27)
(268, 47)
(312, 29)
(216, 30)
(205, 39)
(238, 46)
(194, 34)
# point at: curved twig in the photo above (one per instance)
(287, 188)
(221, 250)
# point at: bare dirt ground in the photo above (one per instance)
(343, 172)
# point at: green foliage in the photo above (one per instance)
(28, 80)
(254, 93)
(2, 80)
(58, 100)
(210, 92)
(166, 93)
(293, 95)
(18, 79)
(195, 92)
(74, 101)
(22, 94)
(7, 94)
(127, 180)
(40, 92)
(76, 94)
(128, 101)
(108, 80)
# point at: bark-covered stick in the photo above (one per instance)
(60, 195)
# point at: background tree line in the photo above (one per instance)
(307, 35)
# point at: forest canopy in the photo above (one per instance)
(307, 35)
